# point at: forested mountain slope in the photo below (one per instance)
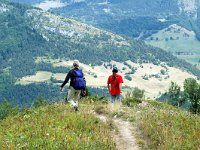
(28, 33)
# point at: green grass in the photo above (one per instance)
(193, 59)
(161, 126)
(167, 127)
(182, 44)
(55, 127)
(158, 125)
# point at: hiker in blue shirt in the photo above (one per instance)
(77, 83)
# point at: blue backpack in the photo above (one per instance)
(79, 83)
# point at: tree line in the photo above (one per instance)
(189, 96)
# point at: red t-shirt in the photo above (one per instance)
(115, 81)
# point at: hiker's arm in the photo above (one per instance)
(120, 86)
(120, 83)
(66, 80)
(109, 87)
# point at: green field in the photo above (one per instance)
(177, 39)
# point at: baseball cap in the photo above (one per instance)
(115, 69)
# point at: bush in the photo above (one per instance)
(40, 101)
(7, 109)
(162, 71)
(128, 77)
(133, 97)
(131, 101)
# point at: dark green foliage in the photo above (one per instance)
(162, 71)
(24, 95)
(131, 101)
(40, 101)
(134, 26)
(133, 97)
(137, 93)
(48, 67)
(192, 92)
(29, 2)
(128, 77)
(176, 97)
(7, 109)
(189, 98)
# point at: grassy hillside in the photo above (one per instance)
(55, 127)
(156, 126)
(169, 128)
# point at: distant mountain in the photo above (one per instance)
(143, 16)
(30, 35)
(133, 18)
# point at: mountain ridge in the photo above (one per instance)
(24, 39)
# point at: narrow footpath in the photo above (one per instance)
(124, 138)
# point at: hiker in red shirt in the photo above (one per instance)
(115, 85)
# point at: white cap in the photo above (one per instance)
(76, 63)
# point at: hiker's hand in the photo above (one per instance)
(108, 91)
(61, 89)
(84, 93)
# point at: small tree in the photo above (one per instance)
(192, 92)
(162, 71)
(133, 97)
(128, 77)
(175, 97)
(138, 93)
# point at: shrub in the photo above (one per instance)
(7, 109)
(128, 77)
(162, 71)
(131, 101)
(40, 101)
(192, 92)
(133, 97)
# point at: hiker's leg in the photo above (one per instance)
(112, 98)
(71, 94)
(77, 96)
(118, 98)
(111, 104)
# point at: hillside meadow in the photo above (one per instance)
(56, 126)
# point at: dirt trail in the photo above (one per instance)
(124, 138)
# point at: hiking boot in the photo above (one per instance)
(76, 108)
